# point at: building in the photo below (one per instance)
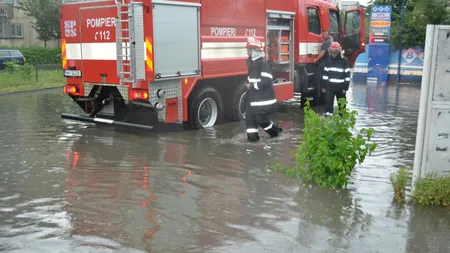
(350, 4)
(16, 28)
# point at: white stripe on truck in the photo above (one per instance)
(107, 50)
(223, 50)
(309, 48)
(210, 50)
(92, 51)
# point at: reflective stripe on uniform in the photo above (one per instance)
(252, 130)
(262, 103)
(269, 127)
(334, 69)
(265, 74)
(333, 80)
(255, 85)
(325, 77)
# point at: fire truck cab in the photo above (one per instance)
(159, 63)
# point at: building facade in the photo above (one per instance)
(16, 28)
(349, 4)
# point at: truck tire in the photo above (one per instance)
(239, 103)
(206, 108)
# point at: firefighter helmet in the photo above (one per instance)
(254, 43)
(335, 48)
(335, 45)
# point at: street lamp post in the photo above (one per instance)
(400, 47)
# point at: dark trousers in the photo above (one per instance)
(329, 100)
(319, 74)
(252, 121)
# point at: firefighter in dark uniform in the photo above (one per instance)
(261, 94)
(336, 77)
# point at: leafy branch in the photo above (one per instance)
(329, 151)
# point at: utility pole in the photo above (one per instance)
(400, 45)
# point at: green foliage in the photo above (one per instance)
(418, 14)
(329, 151)
(11, 66)
(398, 181)
(46, 14)
(40, 55)
(26, 71)
(432, 191)
(23, 78)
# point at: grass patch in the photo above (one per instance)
(21, 78)
(398, 182)
(433, 191)
(428, 191)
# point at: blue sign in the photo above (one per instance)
(380, 24)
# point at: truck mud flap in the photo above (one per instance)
(104, 121)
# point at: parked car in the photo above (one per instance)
(10, 54)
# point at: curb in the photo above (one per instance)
(29, 91)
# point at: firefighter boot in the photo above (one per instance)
(273, 130)
(253, 137)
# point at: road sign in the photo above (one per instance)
(380, 23)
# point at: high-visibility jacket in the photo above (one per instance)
(336, 73)
(261, 95)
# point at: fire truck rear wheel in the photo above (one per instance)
(206, 108)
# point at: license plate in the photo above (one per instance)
(72, 73)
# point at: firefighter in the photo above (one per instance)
(336, 77)
(261, 94)
(323, 56)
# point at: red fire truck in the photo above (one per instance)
(160, 63)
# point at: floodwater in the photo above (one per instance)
(68, 186)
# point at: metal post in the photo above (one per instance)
(400, 47)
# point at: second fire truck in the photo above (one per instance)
(159, 63)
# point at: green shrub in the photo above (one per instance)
(40, 55)
(329, 151)
(27, 71)
(398, 182)
(11, 66)
(432, 190)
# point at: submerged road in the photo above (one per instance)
(69, 186)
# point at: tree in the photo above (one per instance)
(46, 15)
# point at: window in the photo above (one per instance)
(314, 21)
(4, 53)
(15, 53)
(352, 25)
(334, 26)
(3, 21)
(17, 31)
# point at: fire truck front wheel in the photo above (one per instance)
(206, 108)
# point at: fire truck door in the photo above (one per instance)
(354, 35)
(176, 39)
